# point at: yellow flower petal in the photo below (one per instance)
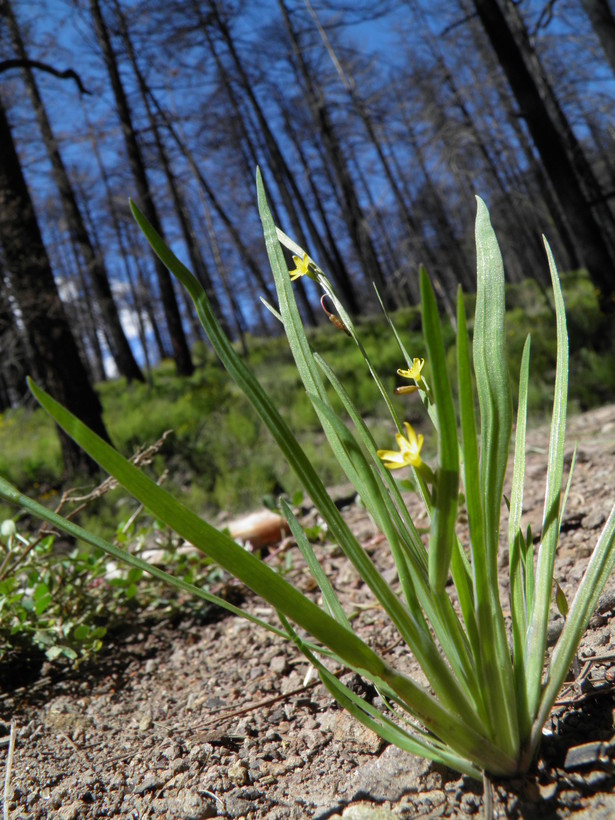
(409, 454)
(414, 372)
(302, 267)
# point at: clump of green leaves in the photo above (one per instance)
(46, 603)
(489, 689)
(60, 602)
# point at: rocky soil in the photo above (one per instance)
(214, 718)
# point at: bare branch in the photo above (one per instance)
(68, 74)
(457, 24)
(546, 15)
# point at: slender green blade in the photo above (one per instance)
(446, 490)
(474, 499)
(600, 567)
(484, 636)
(518, 479)
(330, 599)
(493, 389)
(492, 382)
(543, 584)
(13, 496)
(518, 548)
(243, 565)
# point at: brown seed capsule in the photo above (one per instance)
(335, 320)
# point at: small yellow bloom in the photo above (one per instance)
(409, 454)
(302, 267)
(414, 372)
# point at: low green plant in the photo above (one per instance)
(490, 689)
(59, 602)
(47, 603)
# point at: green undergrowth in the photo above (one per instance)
(220, 457)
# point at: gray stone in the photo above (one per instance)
(191, 806)
(585, 755)
(149, 784)
(278, 664)
(602, 807)
(367, 811)
(389, 777)
(594, 519)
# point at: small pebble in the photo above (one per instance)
(238, 773)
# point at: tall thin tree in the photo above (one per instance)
(547, 136)
(94, 262)
(197, 260)
(356, 222)
(181, 352)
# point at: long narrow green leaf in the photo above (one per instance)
(568, 483)
(517, 548)
(494, 399)
(599, 569)
(491, 378)
(537, 631)
(14, 496)
(518, 479)
(330, 599)
(437, 607)
(446, 490)
(485, 633)
(418, 743)
(243, 565)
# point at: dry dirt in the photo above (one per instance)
(212, 718)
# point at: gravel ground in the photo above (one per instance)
(212, 717)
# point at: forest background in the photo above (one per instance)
(374, 125)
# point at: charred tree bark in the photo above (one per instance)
(603, 23)
(554, 152)
(55, 358)
(96, 272)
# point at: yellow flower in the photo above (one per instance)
(409, 451)
(414, 372)
(302, 267)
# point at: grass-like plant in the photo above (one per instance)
(491, 683)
